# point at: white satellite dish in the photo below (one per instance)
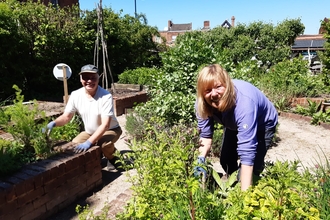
(60, 70)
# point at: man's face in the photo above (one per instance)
(89, 80)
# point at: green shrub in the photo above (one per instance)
(24, 121)
(313, 110)
(322, 197)
(140, 76)
(282, 193)
(217, 140)
(164, 171)
(291, 77)
(313, 107)
(10, 157)
(165, 187)
(135, 126)
(22, 124)
(68, 131)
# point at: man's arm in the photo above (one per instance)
(63, 119)
(205, 146)
(105, 125)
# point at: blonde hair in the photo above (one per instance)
(206, 78)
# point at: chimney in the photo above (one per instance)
(322, 27)
(233, 21)
(169, 24)
(206, 25)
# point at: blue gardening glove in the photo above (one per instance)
(49, 127)
(83, 147)
(198, 171)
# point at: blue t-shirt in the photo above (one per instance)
(253, 111)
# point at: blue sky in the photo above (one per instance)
(158, 12)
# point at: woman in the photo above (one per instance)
(248, 117)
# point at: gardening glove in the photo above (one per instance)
(83, 147)
(49, 127)
(198, 171)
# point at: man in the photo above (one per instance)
(95, 106)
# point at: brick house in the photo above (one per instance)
(308, 46)
(61, 3)
(173, 30)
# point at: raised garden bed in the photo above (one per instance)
(41, 189)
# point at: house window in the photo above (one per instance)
(173, 38)
(158, 39)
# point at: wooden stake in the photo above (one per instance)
(65, 83)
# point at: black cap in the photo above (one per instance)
(89, 68)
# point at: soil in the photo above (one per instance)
(296, 140)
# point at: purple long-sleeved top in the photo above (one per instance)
(252, 112)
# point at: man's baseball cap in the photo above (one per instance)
(89, 68)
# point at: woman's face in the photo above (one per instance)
(213, 94)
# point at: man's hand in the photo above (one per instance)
(49, 127)
(83, 147)
(198, 170)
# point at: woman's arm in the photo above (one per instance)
(246, 176)
(205, 146)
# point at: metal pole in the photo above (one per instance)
(135, 8)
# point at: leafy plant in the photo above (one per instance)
(85, 213)
(282, 104)
(24, 121)
(21, 124)
(322, 196)
(313, 107)
(321, 116)
(217, 140)
(68, 131)
(10, 157)
(314, 110)
(141, 76)
(225, 186)
(165, 186)
(282, 192)
(135, 126)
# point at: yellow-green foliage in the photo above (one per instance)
(282, 193)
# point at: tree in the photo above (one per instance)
(11, 49)
(271, 44)
(53, 35)
(35, 37)
(325, 56)
(129, 40)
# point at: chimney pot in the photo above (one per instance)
(169, 24)
(233, 21)
(206, 24)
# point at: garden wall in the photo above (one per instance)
(43, 188)
(304, 118)
(123, 103)
(304, 101)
